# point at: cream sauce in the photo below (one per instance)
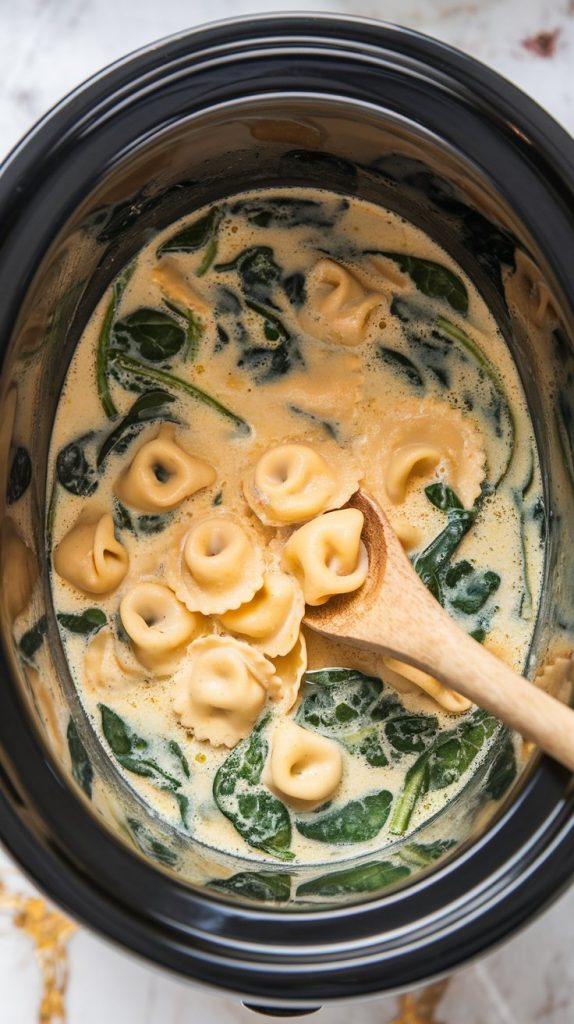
(348, 397)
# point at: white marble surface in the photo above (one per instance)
(46, 48)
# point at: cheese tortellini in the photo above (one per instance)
(290, 483)
(289, 671)
(220, 689)
(162, 475)
(338, 307)
(158, 625)
(305, 768)
(424, 437)
(217, 566)
(448, 699)
(90, 557)
(327, 555)
(272, 618)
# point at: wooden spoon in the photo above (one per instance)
(394, 615)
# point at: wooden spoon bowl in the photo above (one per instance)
(394, 615)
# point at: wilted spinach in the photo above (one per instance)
(132, 753)
(354, 822)
(343, 701)
(103, 352)
(20, 475)
(432, 561)
(148, 334)
(82, 770)
(468, 588)
(148, 407)
(420, 855)
(262, 820)
(332, 429)
(132, 366)
(195, 236)
(85, 624)
(411, 734)
(285, 212)
(266, 886)
(432, 279)
(257, 270)
(294, 288)
(74, 469)
(364, 878)
(402, 365)
(443, 763)
(503, 771)
(150, 846)
(31, 641)
(367, 743)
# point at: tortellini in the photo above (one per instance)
(424, 437)
(110, 665)
(327, 555)
(338, 307)
(293, 482)
(172, 283)
(90, 557)
(290, 483)
(220, 689)
(158, 625)
(271, 619)
(289, 671)
(162, 475)
(217, 565)
(19, 570)
(448, 699)
(305, 768)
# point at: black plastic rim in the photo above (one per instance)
(526, 858)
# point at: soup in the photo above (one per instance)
(254, 366)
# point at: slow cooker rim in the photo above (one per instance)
(48, 127)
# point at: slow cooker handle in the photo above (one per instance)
(278, 1011)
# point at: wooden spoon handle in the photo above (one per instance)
(445, 651)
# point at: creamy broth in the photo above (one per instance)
(309, 320)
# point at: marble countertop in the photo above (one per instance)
(46, 48)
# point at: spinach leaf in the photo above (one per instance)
(196, 235)
(266, 364)
(432, 279)
(443, 763)
(273, 327)
(457, 749)
(258, 272)
(364, 878)
(208, 257)
(401, 364)
(294, 288)
(131, 751)
(367, 744)
(31, 641)
(132, 366)
(122, 740)
(86, 623)
(501, 405)
(284, 212)
(82, 770)
(420, 855)
(150, 524)
(342, 701)
(262, 820)
(103, 351)
(354, 822)
(193, 333)
(74, 470)
(20, 475)
(150, 334)
(430, 563)
(256, 885)
(411, 734)
(150, 846)
(331, 429)
(469, 588)
(503, 771)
